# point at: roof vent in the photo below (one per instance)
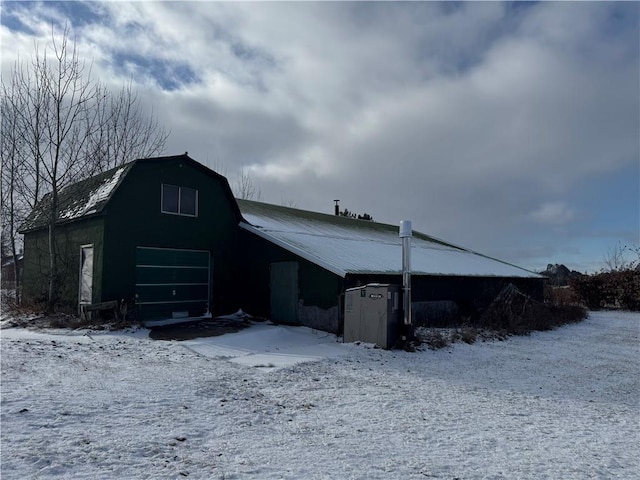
(405, 228)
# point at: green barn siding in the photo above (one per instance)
(134, 218)
(70, 237)
(36, 267)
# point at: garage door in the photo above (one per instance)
(172, 283)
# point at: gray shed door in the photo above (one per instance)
(284, 292)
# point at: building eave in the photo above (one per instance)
(290, 248)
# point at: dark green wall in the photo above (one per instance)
(134, 218)
(317, 286)
(70, 237)
(472, 294)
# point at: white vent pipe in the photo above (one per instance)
(405, 234)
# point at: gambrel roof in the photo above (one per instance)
(89, 197)
(349, 246)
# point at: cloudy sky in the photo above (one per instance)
(509, 128)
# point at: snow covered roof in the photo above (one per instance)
(349, 246)
(79, 199)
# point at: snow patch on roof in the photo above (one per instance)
(98, 195)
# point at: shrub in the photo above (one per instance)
(468, 334)
(511, 313)
(619, 289)
(516, 313)
(433, 338)
(561, 296)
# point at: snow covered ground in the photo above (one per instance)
(562, 404)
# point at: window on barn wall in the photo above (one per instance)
(179, 200)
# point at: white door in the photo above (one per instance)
(86, 275)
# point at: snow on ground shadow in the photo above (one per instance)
(557, 404)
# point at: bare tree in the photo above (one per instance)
(615, 259)
(216, 165)
(634, 250)
(14, 208)
(59, 125)
(125, 133)
(245, 189)
(71, 116)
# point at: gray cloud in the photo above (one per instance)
(476, 120)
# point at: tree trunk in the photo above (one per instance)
(53, 261)
(16, 271)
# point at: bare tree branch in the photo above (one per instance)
(615, 260)
(245, 189)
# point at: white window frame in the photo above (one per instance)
(179, 196)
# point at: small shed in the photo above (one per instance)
(372, 314)
(158, 233)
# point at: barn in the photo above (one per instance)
(158, 233)
(166, 236)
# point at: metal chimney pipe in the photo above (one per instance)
(405, 234)
(337, 207)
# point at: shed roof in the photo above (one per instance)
(349, 246)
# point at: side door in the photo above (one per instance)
(85, 281)
(284, 292)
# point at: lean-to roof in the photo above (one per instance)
(349, 246)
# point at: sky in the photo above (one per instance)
(512, 129)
